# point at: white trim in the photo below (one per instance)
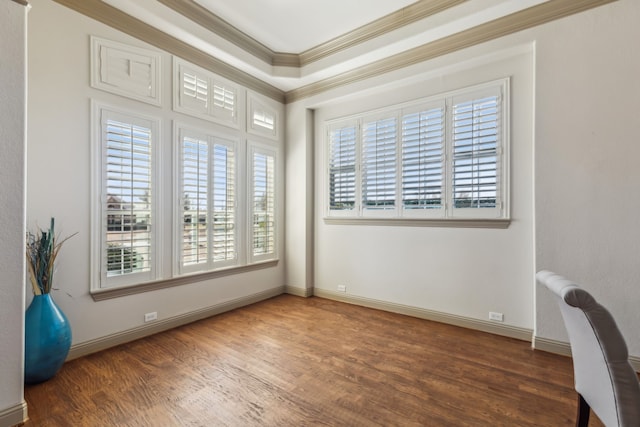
(258, 103)
(564, 349)
(144, 330)
(254, 147)
(212, 137)
(523, 334)
(422, 222)
(98, 199)
(209, 112)
(14, 415)
(498, 88)
(297, 291)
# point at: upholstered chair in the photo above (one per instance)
(604, 379)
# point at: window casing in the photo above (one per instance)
(262, 118)
(444, 157)
(206, 232)
(126, 70)
(262, 203)
(127, 217)
(202, 94)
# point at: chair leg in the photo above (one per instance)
(583, 412)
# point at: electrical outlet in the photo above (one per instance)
(149, 317)
(498, 317)
(342, 288)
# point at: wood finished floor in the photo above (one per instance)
(292, 361)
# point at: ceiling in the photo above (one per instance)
(297, 25)
(289, 49)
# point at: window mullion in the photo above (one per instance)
(399, 167)
(210, 203)
(448, 158)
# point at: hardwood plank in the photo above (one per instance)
(292, 361)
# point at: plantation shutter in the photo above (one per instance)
(224, 215)
(342, 168)
(128, 193)
(264, 119)
(476, 147)
(423, 159)
(194, 93)
(263, 203)
(379, 164)
(195, 200)
(224, 101)
(127, 71)
(207, 184)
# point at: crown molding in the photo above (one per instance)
(518, 21)
(119, 20)
(202, 16)
(405, 16)
(414, 12)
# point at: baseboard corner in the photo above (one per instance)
(298, 291)
(14, 415)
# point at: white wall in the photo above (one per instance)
(587, 176)
(458, 271)
(13, 41)
(587, 118)
(299, 194)
(59, 177)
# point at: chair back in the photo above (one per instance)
(602, 372)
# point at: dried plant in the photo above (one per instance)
(42, 250)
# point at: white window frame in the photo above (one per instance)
(261, 107)
(267, 150)
(431, 213)
(448, 213)
(210, 112)
(345, 169)
(379, 119)
(100, 279)
(211, 138)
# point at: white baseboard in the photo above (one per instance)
(299, 292)
(93, 346)
(551, 346)
(14, 415)
(451, 319)
(564, 348)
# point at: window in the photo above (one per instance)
(476, 164)
(379, 164)
(263, 203)
(202, 94)
(441, 157)
(206, 230)
(262, 117)
(422, 154)
(342, 168)
(211, 211)
(127, 216)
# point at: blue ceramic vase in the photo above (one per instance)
(47, 339)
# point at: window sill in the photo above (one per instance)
(499, 223)
(105, 294)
